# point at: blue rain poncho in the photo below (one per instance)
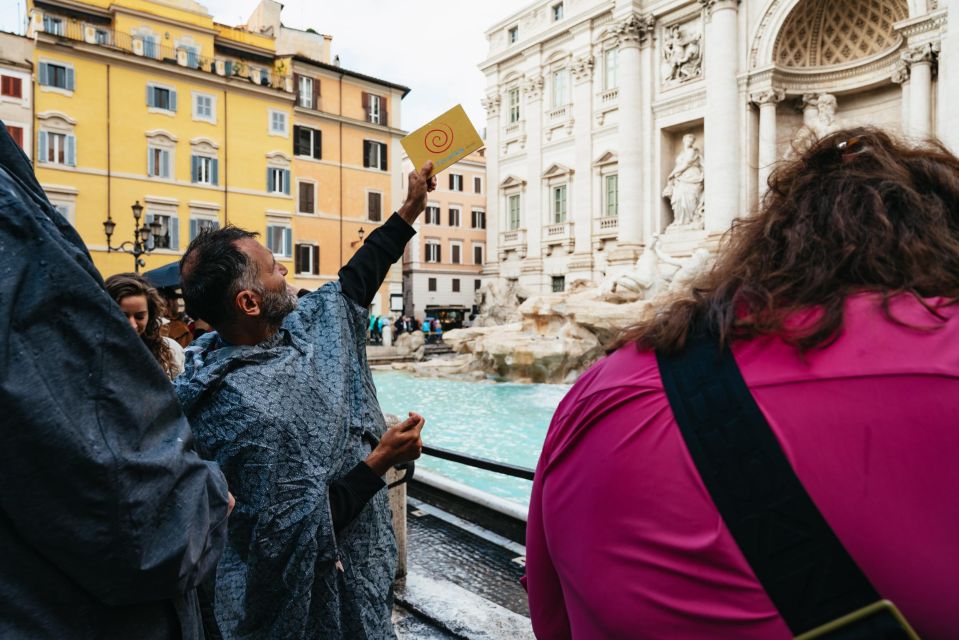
(284, 418)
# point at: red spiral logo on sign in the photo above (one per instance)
(439, 139)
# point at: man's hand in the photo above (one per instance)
(420, 184)
(399, 444)
(230, 503)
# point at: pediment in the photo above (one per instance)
(610, 157)
(512, 181)
(556, 169)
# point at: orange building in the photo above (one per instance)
(443, 264)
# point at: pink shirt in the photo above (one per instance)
(624, 541)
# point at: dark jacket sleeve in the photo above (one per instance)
(97, 459)
(349, 494)
(366, 270)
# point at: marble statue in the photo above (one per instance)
(684, 186)
(818, 121)
(682, 56)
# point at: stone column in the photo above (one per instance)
(721, 148)
(492, 105)
(768, 153)
(948, 81)
(900, 76)
(631, 32)
(920, 60)
(532, 206)
(582, 70)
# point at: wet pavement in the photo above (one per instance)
(444, 551)
(410, 626)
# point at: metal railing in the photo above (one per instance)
(480, 463)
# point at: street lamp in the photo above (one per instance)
(141, 236)
(360, 233)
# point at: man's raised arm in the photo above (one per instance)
(362, 276)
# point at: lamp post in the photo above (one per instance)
(141, 236)
(360, 233)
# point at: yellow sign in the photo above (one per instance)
(446, 140)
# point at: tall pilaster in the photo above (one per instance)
(532, 207)
(948, 82)
(920, 60)
(721, 148)
(492, 105)
(582, 70)
(631, 33)
(768, 153)
(900, 76)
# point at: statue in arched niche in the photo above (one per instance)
(684, 186)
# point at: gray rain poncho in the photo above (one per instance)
(284, 418)
(108, 518)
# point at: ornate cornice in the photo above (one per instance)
(582, 68)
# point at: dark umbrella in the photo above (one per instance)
(166, 276)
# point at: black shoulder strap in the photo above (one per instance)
(794, 553)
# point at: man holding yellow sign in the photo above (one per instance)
(444, 141)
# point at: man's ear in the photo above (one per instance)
(248, 303)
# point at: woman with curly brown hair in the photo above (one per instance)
(142, 306)
(836, 306)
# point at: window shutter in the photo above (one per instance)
(228, 68)
(165, 164)
(149, 221)
(151, 168)
(172, 100)
(318, 144)
(366, 152)
(215, 171)
(297, 261)
(194, 228)
(316, 93)
(366, 105)
(382, 156)
(311, 199)
(44, 73)
(384, 114)
(296, 88)
(42, 147)
(287, 241)
(194, 169)
(269, 238)
(286, 182)
(175, 232)
(151, 97)
(315, 250)
(451, 182)
(71, 155)
(296, 139)
(70, 78)
(439, 253)
(269, 183)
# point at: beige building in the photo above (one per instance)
(16, 88)
(443, 263)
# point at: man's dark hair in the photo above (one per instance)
(213, 270)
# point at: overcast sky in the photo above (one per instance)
(431, 47)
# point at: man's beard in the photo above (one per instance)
(276, 305)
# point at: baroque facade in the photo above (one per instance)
(611, 122)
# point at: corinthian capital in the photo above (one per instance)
(900, 72)
(635, 30)
(710, 6)
(582, 68)
(928, 52)
(768, 96)
(533, 88)
(491, 103)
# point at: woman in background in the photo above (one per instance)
(142, 306)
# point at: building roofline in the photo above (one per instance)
(354, 74)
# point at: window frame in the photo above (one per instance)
(482, 218)
(557, 11)
(155, 155)
(512, 34)
(456, 250)
(610, 71)
(606, 193)
(557, 203)
(197, 96)
(300, 183)
(428, 218)
(458, 215)
(271, 120)
(313, 258)
(282, 174)
(301, 93)
(286, 239)
(514, 106)
(172, 98)
(369, 201)
(482, 251)
(511, 224)
(432, 252)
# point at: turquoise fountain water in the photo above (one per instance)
(503, 422)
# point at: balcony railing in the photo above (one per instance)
(607, 227)
(100, 35)
(516, 237)
(609, 96)
(560, 113)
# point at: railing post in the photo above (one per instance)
(397, 497)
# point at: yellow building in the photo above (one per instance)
(150, 102)
(346, 156)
